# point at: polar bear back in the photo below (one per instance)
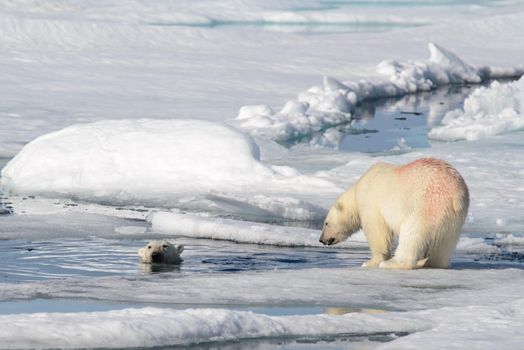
(429, 189)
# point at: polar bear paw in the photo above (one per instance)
(396, 264)
(373, 262)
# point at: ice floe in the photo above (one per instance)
(472, 245)
(509, 239)
(488, 111)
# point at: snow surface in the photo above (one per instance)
(94, 54)
(493, 110)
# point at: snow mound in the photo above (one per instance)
(493, 110)
(162, 163)
(127, 160)
(333, 102)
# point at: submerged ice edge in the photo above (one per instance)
(188, 225)
(152, 326)
(334, 102)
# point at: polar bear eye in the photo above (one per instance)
(325, 224)
(164, 246)
(148, 247)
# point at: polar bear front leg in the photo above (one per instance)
(375, 261)
(379, 239)
(411, 247)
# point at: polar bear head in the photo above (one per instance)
(160, 252)
(342, 220)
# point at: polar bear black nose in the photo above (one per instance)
(157, 257)
(327, 242)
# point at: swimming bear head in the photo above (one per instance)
(160, 252)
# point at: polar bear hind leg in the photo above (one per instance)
(421, 246)
(412, 246)
(443, 245)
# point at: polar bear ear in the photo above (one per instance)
(180, 249)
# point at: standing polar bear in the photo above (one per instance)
(424, 203)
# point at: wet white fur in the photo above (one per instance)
(171, 253)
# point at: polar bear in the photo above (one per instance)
(423, 203)
(161, 252)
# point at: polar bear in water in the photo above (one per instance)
(424, 203)
(161, 252)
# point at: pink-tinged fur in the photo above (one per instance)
(423, 203)
(441, 181)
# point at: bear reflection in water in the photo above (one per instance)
(157, 268)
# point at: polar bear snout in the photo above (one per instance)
(327, 241)
(157, 257)
(331, 235)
